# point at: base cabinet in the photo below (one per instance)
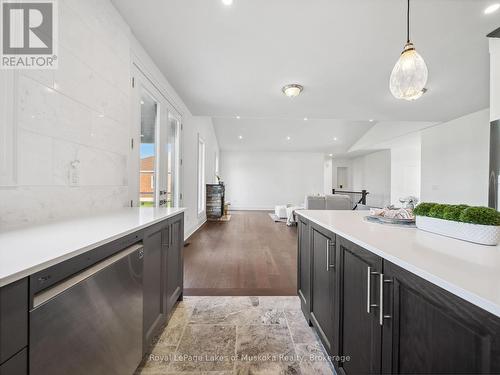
(163, 274)
(153, 311)
(428, 330)
(17, 365)
(173, 278)
(304, 267)
(324, 304)
(359, 272)
(383, 319)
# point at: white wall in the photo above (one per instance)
(455, 161)
(346, 163)
(327, 175)
(78, 112)
(373, 173)
(192, 127)
(494, 79)
(261, 180)
(405, 167)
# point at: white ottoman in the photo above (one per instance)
(280, 211)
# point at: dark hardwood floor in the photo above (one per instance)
(247, 256)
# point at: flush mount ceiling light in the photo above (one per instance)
(409, 76)
(292, 90)
(492, 8)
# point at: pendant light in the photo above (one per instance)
(409, 76)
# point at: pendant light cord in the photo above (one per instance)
(408, 23)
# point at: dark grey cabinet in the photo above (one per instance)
(429, 330)
(17, 365)
(381, 319)
(153, 307)
(324, 292)
(304, 267)
(173, 250)
(13, 318)
(163, 274)
(359, 274)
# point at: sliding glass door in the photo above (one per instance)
(155, 160)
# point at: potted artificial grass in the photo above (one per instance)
(474, 224)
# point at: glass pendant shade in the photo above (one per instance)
(409, 76)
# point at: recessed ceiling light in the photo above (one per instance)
(305, 119)
(227, 2)
(142, 102)
(371, 120)
(238, 117)
(492, 8)
(335, 138)
(330, 155)
(292, 90)
(240, 137)
(288, 138)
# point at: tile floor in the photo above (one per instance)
(237, 335)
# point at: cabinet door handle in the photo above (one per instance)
(369, 304)
(381, 312)
(328, 265)
(328, 255)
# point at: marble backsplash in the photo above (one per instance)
(79, 113)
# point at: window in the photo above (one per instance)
(217, 175)
(201, 175)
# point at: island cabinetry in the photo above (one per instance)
(304, 267)
(429, 330)
(380, 318)
(324, 287)
(359, 274)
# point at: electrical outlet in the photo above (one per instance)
(74, 173)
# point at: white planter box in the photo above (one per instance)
(481, 234)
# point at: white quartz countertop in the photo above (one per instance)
(467, 270)
(26, 250)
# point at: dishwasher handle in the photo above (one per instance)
(49, 293)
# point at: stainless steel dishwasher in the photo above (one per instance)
(90, 323)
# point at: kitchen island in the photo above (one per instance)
(396, 300)
(92, 292)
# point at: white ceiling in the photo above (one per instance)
(228, 61)
(271, 134)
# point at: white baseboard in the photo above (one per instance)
(194, 229)
(238, 208)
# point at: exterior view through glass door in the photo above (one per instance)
(173, 160)
(147, 151)
(155, 162)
